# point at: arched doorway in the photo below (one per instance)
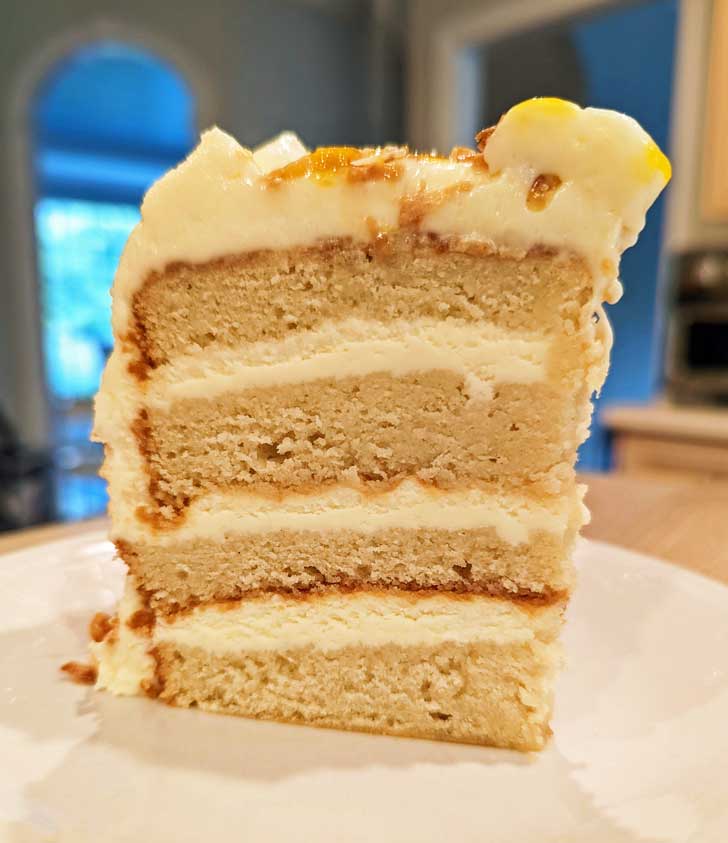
(106, 121)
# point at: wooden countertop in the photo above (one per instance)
(709, 424)
(685, 523)
(681, 521)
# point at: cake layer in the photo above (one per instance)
(498, 695)
(184, 574)
(248, 298)
(379, 429)
(459, 667)
(412, 537)
(498, 404)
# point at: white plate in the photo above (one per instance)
(640, 751)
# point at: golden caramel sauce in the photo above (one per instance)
(99, 627)
(321, 165)
(414, 208)
(542, 191)
(82, 674)
(329, 163)
(464, 154)
(376, 168)
(481, 139)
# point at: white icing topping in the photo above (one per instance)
(601, 157)
(278, 152)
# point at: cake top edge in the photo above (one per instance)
(548, 174)
(586, 131)
(594, 162)
(546, 133)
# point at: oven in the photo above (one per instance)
(697, 347)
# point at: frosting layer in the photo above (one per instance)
(329, 622)
(123, 660)
(482, 353)
(333, 621)
(411, 505)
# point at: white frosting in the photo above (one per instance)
(220, 202)
(332, 621)
(124, 661)
(602, 157)
(411, 505)
(479, 352)
(328, 622)
(281, 150)
(116, 409)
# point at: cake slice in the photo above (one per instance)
(341, 420)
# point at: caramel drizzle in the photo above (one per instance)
(542, 191)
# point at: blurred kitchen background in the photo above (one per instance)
(98, 99)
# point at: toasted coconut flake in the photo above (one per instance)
(381, 155)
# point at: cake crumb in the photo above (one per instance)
(99, 627)
(82, 674)
(142, 619)
(481, 139)
(542, 191)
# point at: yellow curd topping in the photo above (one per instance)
(545, 114)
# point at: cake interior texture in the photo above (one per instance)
(341, 421)
(451, 691)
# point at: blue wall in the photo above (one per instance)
(628, 58)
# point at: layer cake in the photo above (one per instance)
(341, 419)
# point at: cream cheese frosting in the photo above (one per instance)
(410, 505)
(221, 200)
(123, 660)
(330, 622)
(333, 621)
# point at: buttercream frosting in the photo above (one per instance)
(410, 506)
